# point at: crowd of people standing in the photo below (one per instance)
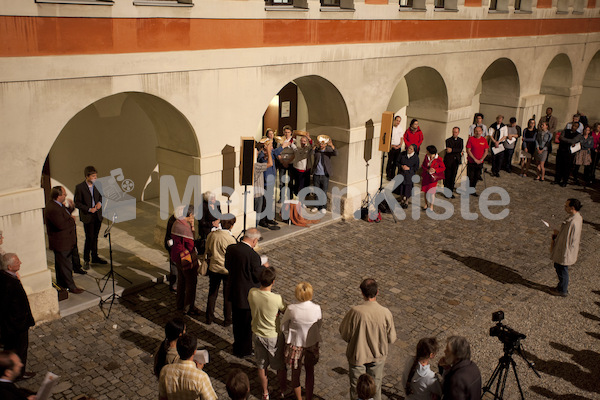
(578, 146)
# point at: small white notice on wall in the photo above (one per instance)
(285, 109)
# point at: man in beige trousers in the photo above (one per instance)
(368, 328)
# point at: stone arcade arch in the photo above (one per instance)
(422, 94)
(139, 133)
(556, 86)
(588, 102)
(321, 109)
(498, 91)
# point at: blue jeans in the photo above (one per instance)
(562, 271)
(322, 182)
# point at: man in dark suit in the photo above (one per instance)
(15, 313)
(89, 202)
(243, 264)
(10, 368)
(452, 159)
(62, 239)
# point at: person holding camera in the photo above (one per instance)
(462, 378)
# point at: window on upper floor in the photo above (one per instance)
(299, 5)
(173, 3)
(578, 6)
(498, 6)
(337, 5)
(517, 5)
(438, 3)
(406, 3)
(81, 2)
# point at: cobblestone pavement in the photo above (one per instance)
(437, 277)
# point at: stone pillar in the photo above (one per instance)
(463, 118)
(528, 107)
(180, 166)
(564, 103)
(348, 182)
(21, 220)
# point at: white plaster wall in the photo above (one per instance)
(221, 95)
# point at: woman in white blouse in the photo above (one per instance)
(301, 325)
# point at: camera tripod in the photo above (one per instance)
(369, 201)
(501, 372)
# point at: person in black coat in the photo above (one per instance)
(62, 239)
(168, 244)
(462, 378)
(15, 313)
(452, 159)
(408, 164)
(564, 157)
(244, 267)
(10, 369)
(89, 202)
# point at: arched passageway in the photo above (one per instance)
(312, 103)
(556, 86)
(588, 102)
(498, 91)
(126, 131)
(422, 94)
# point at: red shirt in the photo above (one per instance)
(411, 137)
(477, 147)
(596, 136)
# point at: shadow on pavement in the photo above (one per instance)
(158, 306)
(594, 225)
(576, 372)
(497, 272)
(551, 395)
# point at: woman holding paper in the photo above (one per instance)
(528, 147)
(183, 255)
(584, 157)
(543, 142)
(301, 326)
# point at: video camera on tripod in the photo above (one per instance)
(512, 344)
(508, 336)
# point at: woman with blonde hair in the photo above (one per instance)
(301, 325)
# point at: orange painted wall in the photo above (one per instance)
(544, 4)
(39, 36)
(472, 3)
(376, 1)
(591, 4)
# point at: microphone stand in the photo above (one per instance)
(110, 275)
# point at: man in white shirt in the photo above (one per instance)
(394, 153)
(575, 119)
(478, 122)
(498, 133)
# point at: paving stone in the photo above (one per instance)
(439, 286)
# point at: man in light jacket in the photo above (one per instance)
(565, 245)
(368, 329)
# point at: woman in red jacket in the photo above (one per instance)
(413, 135)
(182, 250)
(433, 171)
